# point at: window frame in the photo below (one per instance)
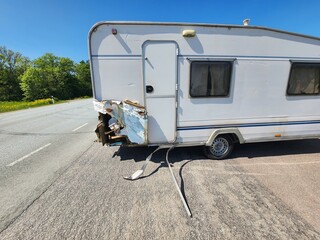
(229, 62)
(290, 76)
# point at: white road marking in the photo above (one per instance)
(79, 127)
(28, 155)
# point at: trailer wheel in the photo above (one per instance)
(220, 148)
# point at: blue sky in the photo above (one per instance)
(35, 27)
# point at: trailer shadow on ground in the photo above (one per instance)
(252, 150)
(189, 154)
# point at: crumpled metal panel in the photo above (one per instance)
(135, 120)
(131, 116)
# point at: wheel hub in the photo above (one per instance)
(219, 147)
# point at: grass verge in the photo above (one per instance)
(12, 106)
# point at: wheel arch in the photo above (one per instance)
(232, 131)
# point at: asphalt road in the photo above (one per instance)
(265, 191)
(36, 146)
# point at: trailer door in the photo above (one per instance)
(160, 81)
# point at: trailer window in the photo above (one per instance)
(210, 79)
(304, 79)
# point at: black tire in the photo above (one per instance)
(221, 148)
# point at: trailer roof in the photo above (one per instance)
(198, 25)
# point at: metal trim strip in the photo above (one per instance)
(245, 125)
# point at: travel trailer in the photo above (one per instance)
(178, 84)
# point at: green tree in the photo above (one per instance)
(12, 66)
(84, 78)
(67, 82)
(50, 75)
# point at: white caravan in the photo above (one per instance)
(183, 84)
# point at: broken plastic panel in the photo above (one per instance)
(128, 120)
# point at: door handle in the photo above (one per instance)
(149, 89)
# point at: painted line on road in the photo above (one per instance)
(28, 155)
(79, 127)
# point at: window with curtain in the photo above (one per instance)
(210, 79)
(304, 79)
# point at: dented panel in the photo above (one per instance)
(127, 122)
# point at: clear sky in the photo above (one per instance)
(35, 27)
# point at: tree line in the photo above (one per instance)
(46, 76)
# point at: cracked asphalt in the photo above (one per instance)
(265, 191)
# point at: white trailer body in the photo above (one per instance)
(198, 84)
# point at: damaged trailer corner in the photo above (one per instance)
(121, 123)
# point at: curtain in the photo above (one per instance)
(199, 79)
(219, 79)
(210, 79)
(304, 80)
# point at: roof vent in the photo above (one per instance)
(246, 22)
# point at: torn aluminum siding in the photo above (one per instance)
(127, 119)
